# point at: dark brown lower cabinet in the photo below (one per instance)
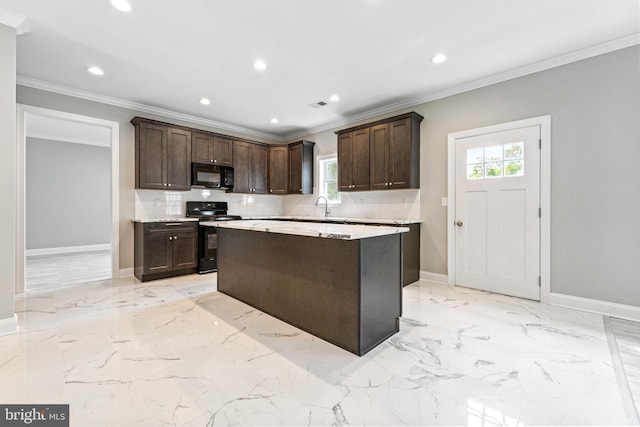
(165, 249)
(346, 292)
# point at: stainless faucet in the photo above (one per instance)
(326, 205)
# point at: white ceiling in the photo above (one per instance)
(165, 55)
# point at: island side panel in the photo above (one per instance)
(381, 292)
(309, 282)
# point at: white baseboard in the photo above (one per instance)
(441, 279)
(125, 272)
(67, 250)
(9, 325)
(596, 306)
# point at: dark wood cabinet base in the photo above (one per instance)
(347, 292)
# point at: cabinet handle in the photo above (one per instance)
(170, 238)
(173, 224)
(175, 237)
(215, 161)
(169, 185)
(390, 184)
(165, 184)
(301, 190)
(211, 160)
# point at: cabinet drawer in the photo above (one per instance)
(154, 227)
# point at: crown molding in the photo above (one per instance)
(578, 55)
(123, 103)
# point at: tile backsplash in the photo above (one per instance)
(392, 204)
(169, 204)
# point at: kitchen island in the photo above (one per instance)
(341, 283)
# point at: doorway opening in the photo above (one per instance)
(68, 199)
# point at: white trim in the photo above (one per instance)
(440, 279)
(9, 325)
(67, 139)
(123, 103)
(596, 306)
(125, 272)
(67, 250)
(578, 55)
(545, 195)
(22, 111)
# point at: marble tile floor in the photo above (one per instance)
(177, 353)
(56, 270)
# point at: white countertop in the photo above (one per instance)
(337, 219)
(313, 229)
(171, 219)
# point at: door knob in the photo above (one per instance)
(459, 223)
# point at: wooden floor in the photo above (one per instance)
(52, 271)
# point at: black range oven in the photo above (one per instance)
(207, 236)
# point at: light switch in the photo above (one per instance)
(445, 201)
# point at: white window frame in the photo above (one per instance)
(321, 161)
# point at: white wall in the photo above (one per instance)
(7, 176)
(68, 194)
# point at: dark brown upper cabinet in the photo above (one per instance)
(301, 167)
(250, 165)
(392, 154)
(353, 160)
(211, 149)
(278, 169)
(163, 156)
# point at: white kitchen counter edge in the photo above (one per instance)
(338, 219)
(310, 229)
(145, 220)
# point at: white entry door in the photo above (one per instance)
(497, 219)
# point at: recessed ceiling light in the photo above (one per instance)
(259, 65)
(121, 5)
(204, 101)
(439, 58)
(274, 120)
(334, 98)
(95, 70)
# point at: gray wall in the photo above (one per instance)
(595, 175)
(7, 171)
(70, 104)
(594, 104)
(67, 194)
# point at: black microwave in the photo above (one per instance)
(211, 176)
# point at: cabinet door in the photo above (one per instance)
(295, 169)
(241, 167)
(259, 166)
(345, 161)
(201, 147)
(400, 155)
(278, 166)
(379, 157)
(151, 156)
(157, 253)
(178, 159)
(361, 159)
(222, 151)
(185, 250)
